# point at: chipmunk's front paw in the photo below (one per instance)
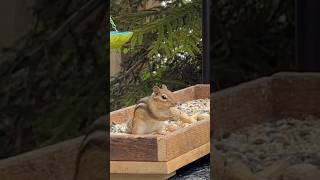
(180, 115)
(188, 119)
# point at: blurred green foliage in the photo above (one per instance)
(166, 48)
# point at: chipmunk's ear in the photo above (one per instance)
(156, 90)
(164, 86)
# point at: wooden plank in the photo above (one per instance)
(243, 105)
(296, 95)
(133, 147)
(115, 62)
(121, 115)
(188, 157)
(136, 167)
(186, 94)
(280, 96)
(159, 148)
(186, 139)
(202, 91)
(141, 176)
(162, 148)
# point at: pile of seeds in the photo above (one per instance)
(190, 108)
(123, 128)
(260, 146)
(195, 106)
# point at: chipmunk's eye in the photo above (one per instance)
(164, 96)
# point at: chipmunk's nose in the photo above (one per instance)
(178, 103)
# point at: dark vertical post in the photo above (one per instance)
(308, 35)
(205, 40)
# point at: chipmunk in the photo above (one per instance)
(151, 112)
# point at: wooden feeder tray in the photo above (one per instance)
(282, 95)
(158, 156)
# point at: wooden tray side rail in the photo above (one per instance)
(296, 95)
(281, 95)
(242, 105)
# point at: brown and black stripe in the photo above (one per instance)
(143, 103)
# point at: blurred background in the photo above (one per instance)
(257, 125)
(52, 71)
(250, 39)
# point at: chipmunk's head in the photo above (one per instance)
(164, 97)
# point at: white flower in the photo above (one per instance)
(163, 3)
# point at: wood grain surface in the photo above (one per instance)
(187, 139)
(138, 167)
(130, 147)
